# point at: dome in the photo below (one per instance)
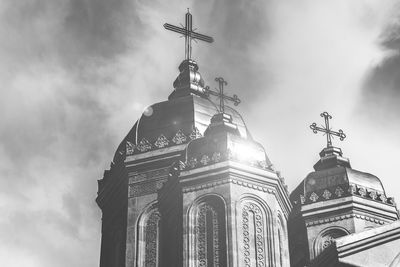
(334, 178)
(343, 177)
(183, 117)
(222, 142)
(173, 122)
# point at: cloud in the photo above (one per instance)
(76, 74)
(382, 83)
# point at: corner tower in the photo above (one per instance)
(333, 201)
(232, 208)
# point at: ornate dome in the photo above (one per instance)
(184, 117)
(334, 178)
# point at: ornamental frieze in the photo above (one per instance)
(161, 142)
(149, 175)
(343, 217)
(339, 192)
(233, 181)
(215, 157)
(136, 190)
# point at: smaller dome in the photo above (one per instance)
(334, 178)
(222, 142)
(343, 177)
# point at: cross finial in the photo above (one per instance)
(221, 82)
(327, 130)
(189, 34)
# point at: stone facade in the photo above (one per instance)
(188, 186)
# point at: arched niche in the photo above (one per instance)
(207, 232)
(327, 237)
(255, 239)
(148, 238)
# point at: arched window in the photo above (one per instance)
(255, 235)
(327, 237)
(148, 238)
(209, 242)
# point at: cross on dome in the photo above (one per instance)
(327, 130)
(189, 34)
(222, 97)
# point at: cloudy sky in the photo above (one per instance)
(76, 74)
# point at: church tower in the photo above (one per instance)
(188, 186)
(334, 201)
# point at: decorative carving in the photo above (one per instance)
(161, 142)
(327, 238)
(216, 157)
(253, 235)
(148, 175)
(205, 160)
(343, 217)
(352, 189)
(195, 133)
(327, 241)
(179, 138)
(151, 239)
(143, 145)
(373, 194)
(302, 199)
(314, 197)
(192, 162)
(382, 197)
(327, 194)
(208, 227)
(130, 148)
(234, 181)
(362, 191)
(141, 189)
(339, 191)
(263, 165)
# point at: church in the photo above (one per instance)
(189, 186)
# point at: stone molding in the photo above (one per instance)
(218, 156)
(145, 145)
(343, 217)
(148, 175)
(341, 191)
(140, 189)
(225, 181)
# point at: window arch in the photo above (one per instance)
(208, 228)
(327, 237)
(255, 233)
(148, 238)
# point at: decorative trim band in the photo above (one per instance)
(343, 217)
(225, 181)
(145, 145)
(218, 156)
(343, 191)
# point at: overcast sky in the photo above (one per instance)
(76, 74)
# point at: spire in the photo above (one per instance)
(330, 156)
(189, 80)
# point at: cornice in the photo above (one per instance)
(344, 217)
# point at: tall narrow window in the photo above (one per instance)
(148, 241)
(254, 236)
(210, 244)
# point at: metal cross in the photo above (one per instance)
(221, 82)
(327, 130)
(189, 34)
